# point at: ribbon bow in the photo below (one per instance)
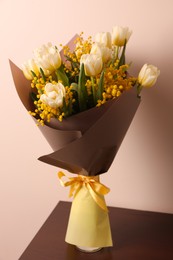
(96, 189)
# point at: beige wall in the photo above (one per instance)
(141, 176)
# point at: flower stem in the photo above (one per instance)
(116, 52)
(138, 88)
(93, 89)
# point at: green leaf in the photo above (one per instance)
(64, 107)
(100, 86)
(82, 92)
(93, 90)
(33, 74)
(42, 75)
(122, 58)
(61, 75)
(74, 86)
(70, 106)
(67, 109)
(33, 96)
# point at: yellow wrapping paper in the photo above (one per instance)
(88, 224)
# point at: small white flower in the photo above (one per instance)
(148, 75)
(54, 94)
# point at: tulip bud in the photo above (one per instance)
(104, 38)
(92, 64)
(29, 66)
(148, 75)
(120, 35)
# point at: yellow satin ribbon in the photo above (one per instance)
(96, 189)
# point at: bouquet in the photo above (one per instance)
(83, 99)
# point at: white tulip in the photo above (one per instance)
(120, 35)
(54, 94)
(28, 66)
(148, 75)
(104, 38)
(48, 58)
(92, 64)
(101, 50)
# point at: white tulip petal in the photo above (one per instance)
(54, 94)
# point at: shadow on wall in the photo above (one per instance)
(155, 112)
(157, 119)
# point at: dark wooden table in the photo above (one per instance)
(137, 235)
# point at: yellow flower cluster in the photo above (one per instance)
(72, 66)
(116, 82)
(93, 73)
(115, 79)
(44, 112)
(82, 46)
(88, 85)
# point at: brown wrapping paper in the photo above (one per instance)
(86, 142)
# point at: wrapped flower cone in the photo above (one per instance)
(86, 143)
